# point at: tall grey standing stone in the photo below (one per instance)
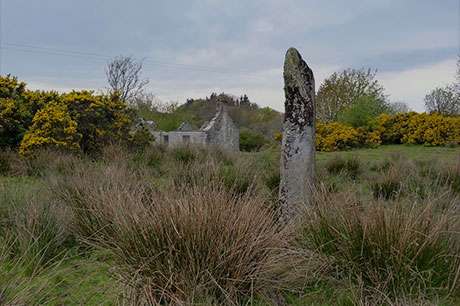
(298, 145)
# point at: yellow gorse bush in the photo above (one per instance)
(433, 129)
(405, 128)
(52, 127)
(100, 118)
(79, 120)
(335, 136)
(414, 128)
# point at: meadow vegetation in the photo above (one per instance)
(92, 212)
(190, 225)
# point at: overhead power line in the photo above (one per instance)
(1, 34)
(105, 57)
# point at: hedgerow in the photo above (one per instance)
(408, 128)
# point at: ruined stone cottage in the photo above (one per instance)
(221, 131)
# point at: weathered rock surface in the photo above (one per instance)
(298, 145)
(222, 131)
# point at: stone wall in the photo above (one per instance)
(222, 131)
(180, 138)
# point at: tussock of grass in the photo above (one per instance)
(397, 250)
(349, 166)
(183, 244)
(388, 186)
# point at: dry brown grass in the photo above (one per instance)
(390, 249)
(186, 243)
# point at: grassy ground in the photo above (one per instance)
(413, 152)
(83, 273)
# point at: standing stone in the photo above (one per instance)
(298, 145)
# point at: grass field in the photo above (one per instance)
(384, 229)
(413, 152)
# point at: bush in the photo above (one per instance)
(15, 117)
(398, 250)
(100, 119)
(83, 120)
(336, 136)
(140, 138)
(407, 128)
(52, 127)
(392, 128)
(251, 141)
(414, 128)
(433, 129)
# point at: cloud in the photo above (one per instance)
(412, 85)
(265, 87)
(232, 46)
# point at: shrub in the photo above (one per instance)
(396, 250)
(251, 141)
(335, 136)
(100, 119)
(392, 128)
(15, 117)
(52, 127)
(432, 129)
(414, 128)
(140, 138)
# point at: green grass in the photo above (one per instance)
(86, 276)
(85, 281)
(414, 152)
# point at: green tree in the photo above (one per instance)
(362, 112)
(342, 89)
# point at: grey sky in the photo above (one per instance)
(195, 47)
